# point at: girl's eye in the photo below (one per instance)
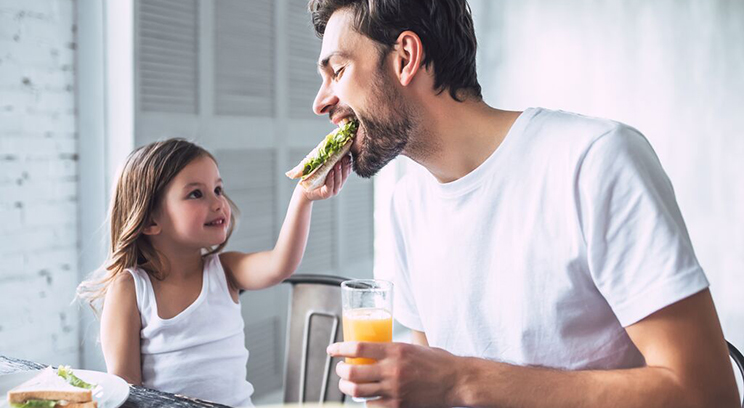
(218, 191)
(195, 194)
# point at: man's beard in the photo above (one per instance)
(388, 125)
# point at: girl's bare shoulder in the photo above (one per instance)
(122, 292)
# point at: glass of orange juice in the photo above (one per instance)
(367, 314)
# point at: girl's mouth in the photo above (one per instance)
(216, 223)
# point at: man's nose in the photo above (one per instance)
(324, 100)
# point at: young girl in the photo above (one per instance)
(171, 313)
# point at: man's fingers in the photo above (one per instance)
(358, 373)
(381, 403)
(372, 389)
(375, 351)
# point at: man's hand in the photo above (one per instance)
(404, 375)
(333, 182)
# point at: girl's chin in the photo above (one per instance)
(219, 242)
(214, 241)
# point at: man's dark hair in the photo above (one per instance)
(444, 26)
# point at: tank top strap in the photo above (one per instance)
(216, 274)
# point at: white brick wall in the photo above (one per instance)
(38, 181)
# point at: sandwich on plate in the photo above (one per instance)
(314, 168)
(53, 389)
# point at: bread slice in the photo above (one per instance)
(316, 179)
(49, 386)
(90, 404)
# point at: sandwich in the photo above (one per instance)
(53, 389)
(314, 168)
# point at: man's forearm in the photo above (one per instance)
(483, 383)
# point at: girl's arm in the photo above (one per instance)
(263, 269)
(120, 330)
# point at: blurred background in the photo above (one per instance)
(83, 82)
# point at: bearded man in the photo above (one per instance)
(541, 257)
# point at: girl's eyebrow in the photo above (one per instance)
(196, 183)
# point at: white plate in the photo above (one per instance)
(110, 392)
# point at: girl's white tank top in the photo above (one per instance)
(201, 351)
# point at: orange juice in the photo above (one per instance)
(367, 324)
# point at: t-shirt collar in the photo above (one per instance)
(473, 179)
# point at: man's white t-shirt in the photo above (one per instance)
(565, 235)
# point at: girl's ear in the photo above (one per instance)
(152, 229)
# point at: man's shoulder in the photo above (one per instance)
(560, 131)
(561, 122)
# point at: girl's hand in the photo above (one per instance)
(333, 182)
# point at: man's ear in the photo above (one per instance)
(408, 55)
(153, 228)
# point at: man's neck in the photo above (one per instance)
(457, 137)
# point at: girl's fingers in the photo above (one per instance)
(329, 184)
(346, 169)
(335, 179)
(338, 179)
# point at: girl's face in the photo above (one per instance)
(194, 213)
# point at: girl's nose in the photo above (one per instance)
(217, 203)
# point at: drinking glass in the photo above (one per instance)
(367, 314)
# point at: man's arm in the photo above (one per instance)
(686, 356)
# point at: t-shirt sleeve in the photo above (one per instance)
(404, 307)
(639, 252)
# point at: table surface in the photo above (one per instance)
(138, 396)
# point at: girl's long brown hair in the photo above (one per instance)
(139, 191)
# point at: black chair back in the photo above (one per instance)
(739, 361)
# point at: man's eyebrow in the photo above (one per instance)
(323, 64)
(194, 184)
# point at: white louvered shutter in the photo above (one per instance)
(244, 58)
(168, 56)
(250, 179)
(304, 48)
